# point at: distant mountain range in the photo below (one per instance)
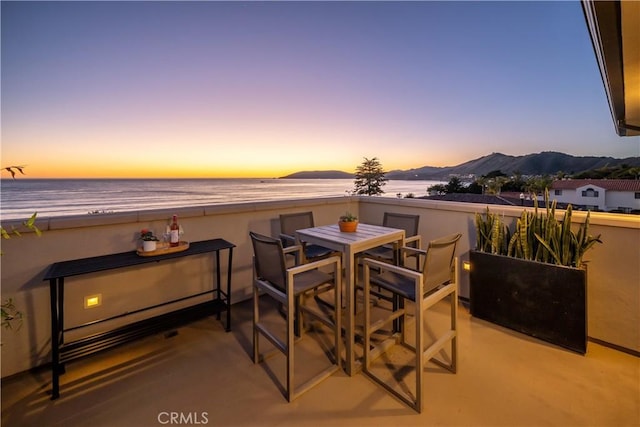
(545, 163)
(320, 175)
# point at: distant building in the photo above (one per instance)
(621, 195)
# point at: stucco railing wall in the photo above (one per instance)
(614, 278)
(25, 260)
(613, 288)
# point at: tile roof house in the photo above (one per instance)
(504, 199)
(602, 194)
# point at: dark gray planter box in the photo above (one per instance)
(544, 301)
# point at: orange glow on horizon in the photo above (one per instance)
(43, 169)
(262, 157)
(88, 172)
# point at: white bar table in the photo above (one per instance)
(366, 237)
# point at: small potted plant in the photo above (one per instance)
(149, 241)
(348, 223)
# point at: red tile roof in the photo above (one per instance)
(607, 184)
(489, 199)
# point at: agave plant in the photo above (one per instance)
(348, 217)
(567, 247)
(492, 235)
(538, 236)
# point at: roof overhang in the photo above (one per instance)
(615, 33)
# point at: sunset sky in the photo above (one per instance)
(264, 89)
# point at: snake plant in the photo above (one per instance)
(538, 236)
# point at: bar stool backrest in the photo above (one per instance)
(439, 262)
(269, 260)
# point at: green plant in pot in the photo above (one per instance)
(537, 236)
(532, 278)
(149, 240)
(348, 223)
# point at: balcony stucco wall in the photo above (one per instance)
(613, 284)
(614, 278)
(25, 260)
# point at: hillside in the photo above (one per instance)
(320, 175)
(545, 163)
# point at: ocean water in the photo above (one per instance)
(20, 198)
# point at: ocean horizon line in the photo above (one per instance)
(54, 197)
(24, 178)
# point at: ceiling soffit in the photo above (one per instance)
(614, 27)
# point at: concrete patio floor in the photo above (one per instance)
(204, 376)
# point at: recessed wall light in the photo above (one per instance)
(92, 301)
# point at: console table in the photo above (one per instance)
(62, 352)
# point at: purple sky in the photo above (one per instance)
(263, 89)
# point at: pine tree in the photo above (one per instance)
(369, 178)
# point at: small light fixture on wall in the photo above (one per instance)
(92, 301)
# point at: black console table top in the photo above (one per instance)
(80, 266)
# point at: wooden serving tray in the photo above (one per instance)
(164, 248)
